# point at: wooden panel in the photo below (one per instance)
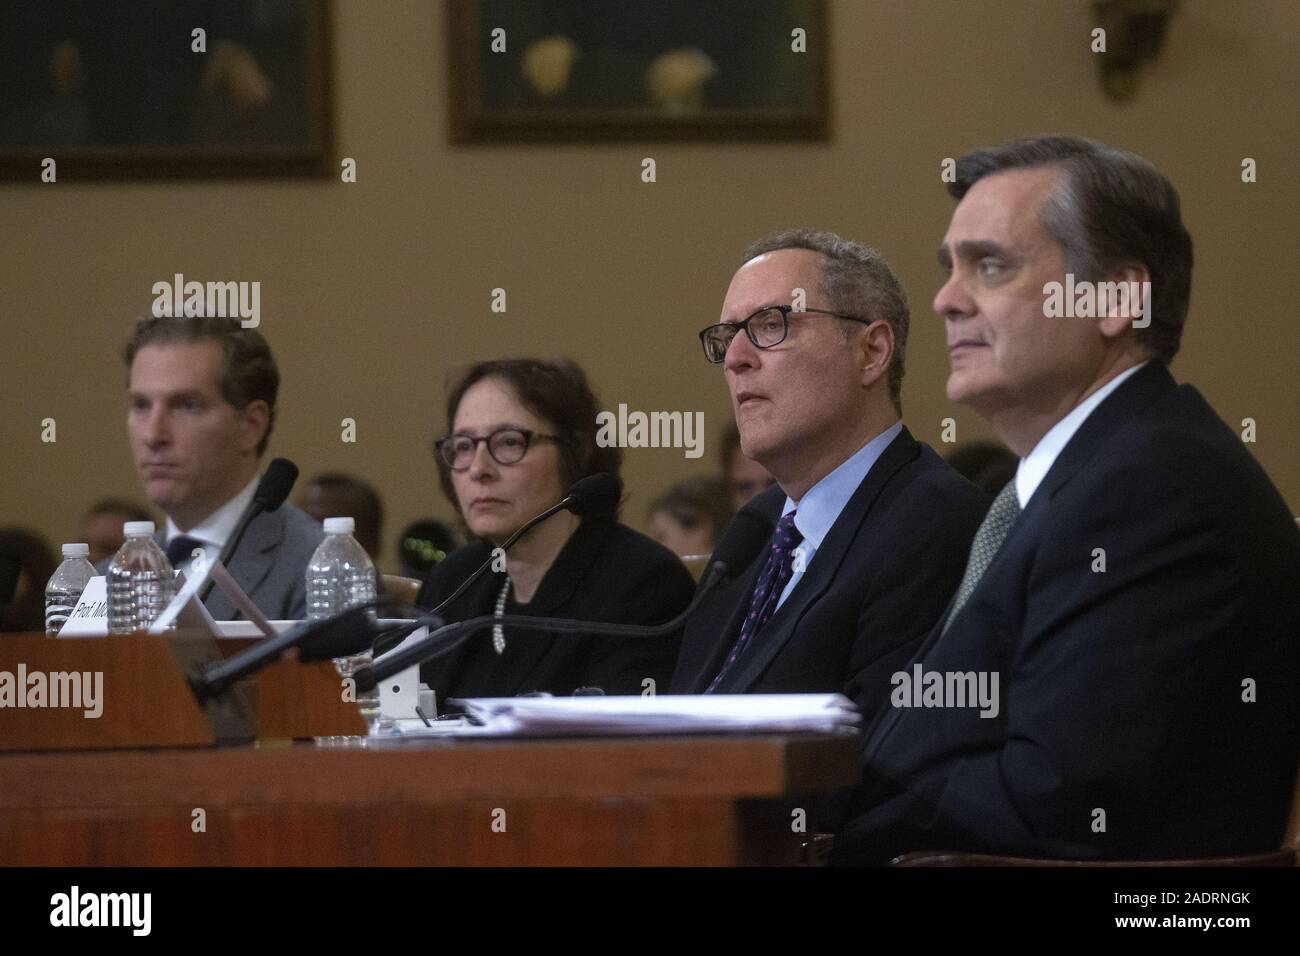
(296, 701)
(660, 801)
(146, 701)
(442, 771)
(537, 833)
(301, 701)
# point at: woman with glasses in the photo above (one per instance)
(520, 433)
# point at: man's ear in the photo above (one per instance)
(255, 419)
(1129, 301)
(875, 350)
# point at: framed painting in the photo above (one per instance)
(637, 70)
(164, 88)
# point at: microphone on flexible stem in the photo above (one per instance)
(746, 536)
(350, 632)
(356, 629)
(590, 495)
(271, 492)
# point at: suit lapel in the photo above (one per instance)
(720, 616)
(556, 591)
(769, 641)
(251, 563)
(736, 596)
(442, 672)
(1146, 386)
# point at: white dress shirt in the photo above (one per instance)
(214, 530)
(1035, 466)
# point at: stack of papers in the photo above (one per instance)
(712, 713)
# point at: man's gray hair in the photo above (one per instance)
(1111, 207)
(856, 280)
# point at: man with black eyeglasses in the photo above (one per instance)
(871, 527)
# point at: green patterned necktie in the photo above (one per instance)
(988, 539)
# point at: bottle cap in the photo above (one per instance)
(76, 550)
(137, 529)
(339, 525)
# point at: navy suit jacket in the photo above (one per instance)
(870, 594)
(1148, 706)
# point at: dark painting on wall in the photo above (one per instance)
(637, 69)
(164, 88)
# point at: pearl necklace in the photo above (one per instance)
(498, 633)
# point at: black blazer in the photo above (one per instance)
(880, 579)
(1121, 691)
(605, 572)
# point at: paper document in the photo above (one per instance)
(712, 713)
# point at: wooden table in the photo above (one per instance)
(688, 800)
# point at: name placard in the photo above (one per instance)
(90, 617)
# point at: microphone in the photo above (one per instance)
(745, 537)
(355, 630)
(590, 495)
(271, 492)
(347, 633)
(595, 493)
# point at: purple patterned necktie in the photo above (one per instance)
(767, 589)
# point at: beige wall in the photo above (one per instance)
(372, 292)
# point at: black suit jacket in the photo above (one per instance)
(880, 579)
(605, 572)
(1121, 690)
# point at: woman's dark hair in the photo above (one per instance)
(557, 392)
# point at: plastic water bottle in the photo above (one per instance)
(140, 581)
(64, 588)
(340, 575)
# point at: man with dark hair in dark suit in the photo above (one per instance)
(1130, 599)
(870, 526)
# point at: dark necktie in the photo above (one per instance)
(767, 589)
(179, 548)
(1001, 516)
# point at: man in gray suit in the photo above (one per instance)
(201, 408)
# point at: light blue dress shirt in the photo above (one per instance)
(822, 503)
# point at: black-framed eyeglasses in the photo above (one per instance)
(507, 446)
(766, 328)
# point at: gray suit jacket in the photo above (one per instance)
(270, 565)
